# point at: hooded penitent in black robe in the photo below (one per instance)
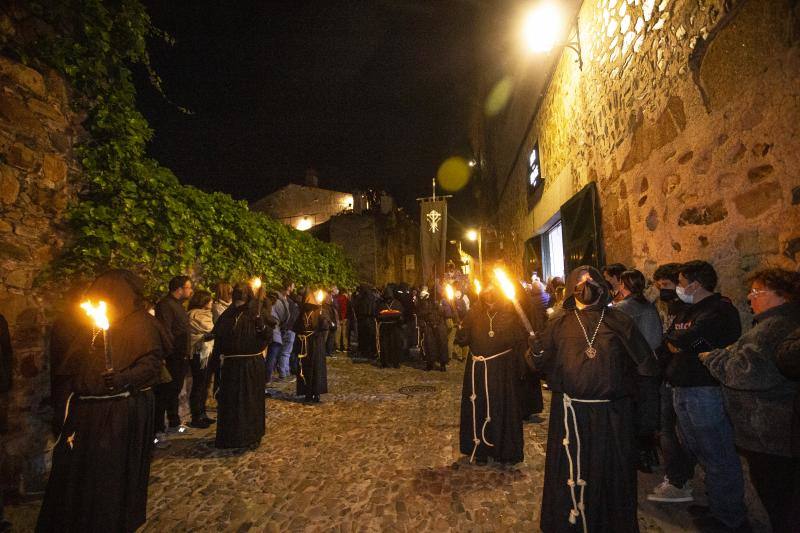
(101, 461)
(312, 328)
(531, 400)
(434, 330)
(494, 383)
(241, 335)
(607, 457)
(365, 304)
(390, 330)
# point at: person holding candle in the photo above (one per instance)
(101, 461)
(491, 418)
(589, 355)
(313, 327)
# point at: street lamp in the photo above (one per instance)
(542, 30)
(476, 235)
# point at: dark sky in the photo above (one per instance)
(370, 93)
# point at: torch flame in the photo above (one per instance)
(255, 283)
(320, 296)
(97, 313)
(505, 283)
(478, 287)
(448, 290)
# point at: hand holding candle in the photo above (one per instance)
(510, 291)
(98, 314)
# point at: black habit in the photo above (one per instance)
(101, 461)
(240, 338)
(390, 332)
(312, 328)
(494, 332)
(434, 331)
(598, 394)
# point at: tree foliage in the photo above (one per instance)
(133, 212)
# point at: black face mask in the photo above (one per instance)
(667, 295)
(587, 292)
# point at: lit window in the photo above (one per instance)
(534, 168)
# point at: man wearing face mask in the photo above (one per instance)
(707, 323)
(591, 355)
(678, 463)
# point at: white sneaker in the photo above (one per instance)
(179, 430)
(667, 492)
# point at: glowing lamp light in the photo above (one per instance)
(478, 287)
(472, 235)
(448, 291)
(542, 27)
(505, 283)
(304, 224)
(319, 296)
(97, 313)
(472, 163)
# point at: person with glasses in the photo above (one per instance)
(758, 396)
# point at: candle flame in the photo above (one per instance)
(478, 287)
(448, 290)
(255, 283)
(320, 296)
(97, 313)
(505, 283)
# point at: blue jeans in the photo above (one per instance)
(273, 353)
(286, 353)
(706, 431)
(678, 464)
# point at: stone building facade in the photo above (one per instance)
(37, 133)
(303, 206)
(684, 115)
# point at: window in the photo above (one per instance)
(534, 168)
(553, 252)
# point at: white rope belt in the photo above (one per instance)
(303, 352)
(125, 394)
(240, 356)
(475, 440)
(578, 504)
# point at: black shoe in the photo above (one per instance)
(309, 398)
(442, 368)
(200, 423)
(697, 510)
(316, 398)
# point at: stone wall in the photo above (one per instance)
(686, 115)
(37, 132)
(295, 203)
(378, 244)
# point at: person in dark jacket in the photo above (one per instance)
(645, 316)
(434, 330)
(758, 397)
(173, 316)
(101, 461)
(590, 355)
(708, 323)
(787, 359)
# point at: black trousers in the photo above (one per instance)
(199, 392)
(678, 462)
(773, 477)
(167, 394)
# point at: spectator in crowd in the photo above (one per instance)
(645, 316)
(709, 322)
(678, 462)
(201, 339)
(173, 317)
(787, 360)
(222, 300)
(434, 330)
(758, 397)
(279, 314)
(290, 310)
(341, 302)
(612, 274)
(330, 310)
(6, 361)
(556, 290)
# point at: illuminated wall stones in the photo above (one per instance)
(686, 115)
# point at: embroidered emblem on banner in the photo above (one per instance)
(434, 217)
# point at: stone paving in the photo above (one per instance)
(368, 458)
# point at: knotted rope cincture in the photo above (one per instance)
(475, 440)
(222, 359)
(578, 504)
(123, 394)
(303, 352)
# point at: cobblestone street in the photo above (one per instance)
(378, 454)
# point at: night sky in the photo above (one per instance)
(372, 94)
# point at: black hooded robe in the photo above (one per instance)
(390, 333)
(313, 325)
(434, 331)
(240, 338)
(531, 399)
(607, 433)
(101, 462)
(501, 437)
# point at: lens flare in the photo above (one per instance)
(498, 97)
(453, 174)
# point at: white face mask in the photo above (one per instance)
(685, 298)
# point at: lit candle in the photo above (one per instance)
(478, 287)
(319, 296)
(98, 314)
(255, 284)
(508, 289)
